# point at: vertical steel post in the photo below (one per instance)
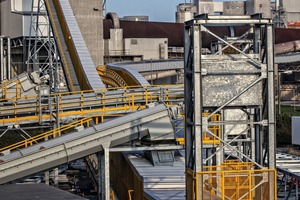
(188, 101)
(2, 58)
(9, 70)
(198, 106)
(271, 109)
(103, 165)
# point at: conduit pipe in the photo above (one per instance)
(5, 58)
(287, 47)
(158, 75)
(8, 58)
(2, 58)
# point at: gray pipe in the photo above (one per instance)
(8, 59)
(2, 59)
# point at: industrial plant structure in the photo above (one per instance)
(156, 110)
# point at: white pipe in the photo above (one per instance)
(276, 5)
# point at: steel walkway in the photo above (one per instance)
(40, 157)
(73, 106)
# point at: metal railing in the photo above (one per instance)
(11, 89)
(47, 135)
(86, 103)
(207, 138)
(232, 180)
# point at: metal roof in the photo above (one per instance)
(288, 164)
(160, 182)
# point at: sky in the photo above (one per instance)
(157, 10)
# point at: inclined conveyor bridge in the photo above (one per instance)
(155, 123)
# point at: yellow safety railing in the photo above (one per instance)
(110, 77)
(15, 92)
(207, 137)
(128, 99)
(47, 135)
(233, 181)
(215, 129)
(130, 194)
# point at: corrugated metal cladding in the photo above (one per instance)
(140, 79)
(155, 65)
(160, 181)
(84, 56)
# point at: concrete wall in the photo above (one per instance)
(185, 12)
(89, 16)
(11, 23)
(135, 48)
(292, 8)
(259, 6)
(15, 18)
(114, 46)
(234, 8)
(147, 47)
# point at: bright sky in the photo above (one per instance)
(157, 10)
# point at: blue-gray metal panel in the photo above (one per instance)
(289, 58)
(83, 54)
(164, 194)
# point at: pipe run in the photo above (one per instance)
(157, 75)
(287, 47)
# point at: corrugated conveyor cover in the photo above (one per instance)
(132, 73)
(88, 68)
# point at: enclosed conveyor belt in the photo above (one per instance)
(79, 67)
(154, 121)
(110, 77)
(131, 76)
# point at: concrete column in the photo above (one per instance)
(89, 16)
(55, 177)
(47, 177)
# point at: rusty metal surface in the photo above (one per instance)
(286, 35)
(287, 47)
(174, 32)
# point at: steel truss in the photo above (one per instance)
(239, 87)
(42, 53)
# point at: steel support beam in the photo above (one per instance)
(206, 88)
(271, 109)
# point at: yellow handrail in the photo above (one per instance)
(129, 194)
(128, 101)
(52, 133)
(239, 181)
